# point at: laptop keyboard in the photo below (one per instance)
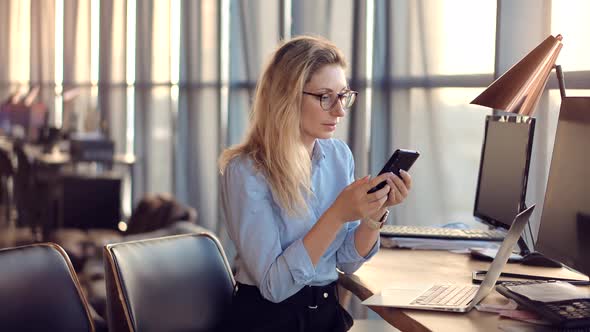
(447, 295)
(441, 233)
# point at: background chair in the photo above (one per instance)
(27, 192)
(168, 218)
(40, 291)
(6, 176)
(36, 183)
(175, 283)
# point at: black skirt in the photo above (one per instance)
(313, 308)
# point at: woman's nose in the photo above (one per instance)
(338, 109)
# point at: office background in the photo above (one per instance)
(172, 80)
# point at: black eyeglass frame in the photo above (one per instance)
(339, 96)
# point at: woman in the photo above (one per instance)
(290, 198)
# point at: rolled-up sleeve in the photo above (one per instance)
(252, 226)
(348, 258)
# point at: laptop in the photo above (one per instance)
(453, 297)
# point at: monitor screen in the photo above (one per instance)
(564, 230)
(503, 169)
(90, 202)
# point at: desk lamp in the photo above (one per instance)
(518, 91)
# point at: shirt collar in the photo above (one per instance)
(317, 154)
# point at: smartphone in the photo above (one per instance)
(400, 159)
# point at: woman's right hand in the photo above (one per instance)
(354, 203)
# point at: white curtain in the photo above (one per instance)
(77, 67)
(42, 51)
(113, 93)
(427, 68)
(6, 13)
(198, 122)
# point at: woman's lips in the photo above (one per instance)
(331, 126)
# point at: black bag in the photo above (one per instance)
(158, 211)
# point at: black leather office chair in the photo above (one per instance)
(174, 283)
(36, 193)
(6, 175)
(29, 211)
(40, 291)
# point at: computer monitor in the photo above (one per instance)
(564, 231)
(503, 169)
(90, 201)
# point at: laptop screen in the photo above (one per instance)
(503, 254)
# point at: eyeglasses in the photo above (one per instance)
(328, 100)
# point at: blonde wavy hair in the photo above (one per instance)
(274, 140)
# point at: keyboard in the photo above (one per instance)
(569, 313)
(441, 233)
(447, 295)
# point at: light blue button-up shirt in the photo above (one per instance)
(269, 242)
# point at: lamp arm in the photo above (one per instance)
(560, 80)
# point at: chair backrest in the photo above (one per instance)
(40, 291)
(174, 283)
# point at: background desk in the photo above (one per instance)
(403, 267)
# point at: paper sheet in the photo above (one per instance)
(497, 308)
(436, 244)
(551, 292)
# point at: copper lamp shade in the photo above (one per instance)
(519, 89)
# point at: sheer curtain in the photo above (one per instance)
(428, 66)
(42, 51)
(113, 92)
(254, 34)
(336, 20)
(76, 74)
(199, 100)
(15, 32)
(153, 113)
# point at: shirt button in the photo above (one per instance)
(325, 295)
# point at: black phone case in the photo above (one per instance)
(400, 159)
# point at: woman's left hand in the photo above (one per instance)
(400, 187)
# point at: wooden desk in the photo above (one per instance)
(391, 267)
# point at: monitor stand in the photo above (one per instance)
(527, 257)
(535, 258)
